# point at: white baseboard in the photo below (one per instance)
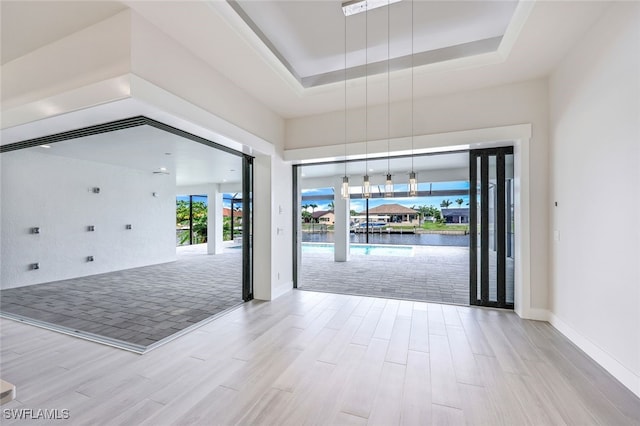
(536, 314)
(627, 377)
(281, 288)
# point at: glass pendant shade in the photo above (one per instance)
(413, 184)
(344, 191)
(388, 186)
(366, 187)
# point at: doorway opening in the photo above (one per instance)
(100, 261)
(404, 247)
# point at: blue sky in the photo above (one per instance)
(359, 204)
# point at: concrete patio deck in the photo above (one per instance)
(134, 308)
(433, 273)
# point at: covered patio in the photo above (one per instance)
(431, 273)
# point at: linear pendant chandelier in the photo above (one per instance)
(350, 8)
(344, 191)
(366, 184)
(388, 184)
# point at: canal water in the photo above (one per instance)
(403, 239)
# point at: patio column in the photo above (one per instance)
(214, 221)
(341, 227)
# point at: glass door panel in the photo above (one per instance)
(491, 213)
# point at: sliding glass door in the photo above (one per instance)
(491, 227)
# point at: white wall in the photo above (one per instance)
(93, 54)
(282, 219)
(520, 103)
(161, 60)
(595, 153)
(55, 194)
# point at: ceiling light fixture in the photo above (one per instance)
(366, 184)
(388, 185)
(344, 190)
(413, 180)
(45, 146)
(353, 7)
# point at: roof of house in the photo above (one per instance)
(226, 212)
(320, 213)
(391, 209)
(456, 212)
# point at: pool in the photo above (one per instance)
(361, 249)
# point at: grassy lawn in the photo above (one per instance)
(443, 227)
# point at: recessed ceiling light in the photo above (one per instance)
(45, 146)
(370, 170)
(163, 169)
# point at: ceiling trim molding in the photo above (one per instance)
(258, 32)
(517, 23)
(420, 59)
(480, 52)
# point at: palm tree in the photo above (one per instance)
(423, 211)
(331, 206)
(313, 210)
(459, 201)
(445, 205)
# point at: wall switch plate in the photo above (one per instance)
(556, 235)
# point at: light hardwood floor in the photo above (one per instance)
(319, 358)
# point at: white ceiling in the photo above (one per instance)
(546, 30)
(28, 25)
(149, 150)
(310, 35)
(308, 32)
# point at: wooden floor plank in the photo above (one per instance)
(416, 396)
(384, 327)
(387, 407)
(363, 385)
(369, 324)
(464, 362)
(312, 358)
(436, 320)
(399, 343)
(444, 385)
(419, 339)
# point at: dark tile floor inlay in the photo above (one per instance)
(139, 306)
